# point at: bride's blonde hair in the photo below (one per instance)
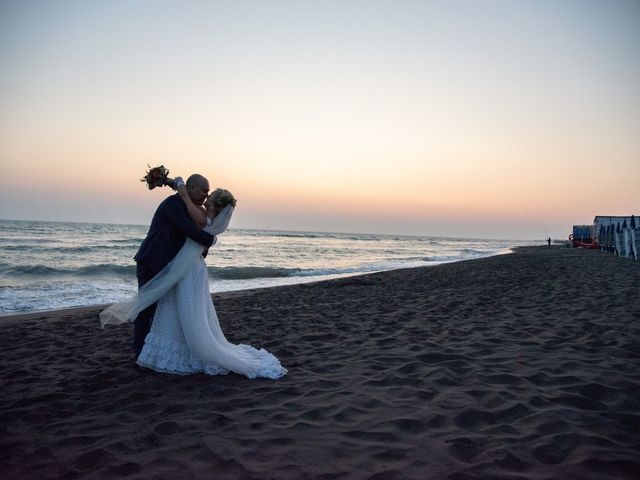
(220, 198)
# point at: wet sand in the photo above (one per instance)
(522, 366)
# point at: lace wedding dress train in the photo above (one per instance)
(185, 336)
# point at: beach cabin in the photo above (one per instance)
(583, 236)
(605, 221)
(619, 233)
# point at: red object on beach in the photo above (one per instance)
(589, 243)
(583, 237)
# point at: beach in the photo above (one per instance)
(519, 366)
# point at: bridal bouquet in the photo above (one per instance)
(157, 177)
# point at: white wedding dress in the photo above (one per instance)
(185, 336)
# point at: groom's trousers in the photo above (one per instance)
(142, 323)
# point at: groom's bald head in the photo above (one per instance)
(197, 180)
(198, 188)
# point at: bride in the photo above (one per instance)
(185, 335)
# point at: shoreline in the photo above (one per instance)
(14, 316)
(513, 366)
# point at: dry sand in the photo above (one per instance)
(519, 366)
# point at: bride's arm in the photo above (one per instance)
(196, 213)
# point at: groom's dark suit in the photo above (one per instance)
(170, 227)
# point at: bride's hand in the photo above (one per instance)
(177, 183)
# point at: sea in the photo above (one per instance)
(54, 265)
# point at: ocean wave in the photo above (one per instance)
(474, 251)
(280, 234)
(246, 273)
(131, 241)
(312, 235)
(62, 249)
(223, 273)
(26, 247)
(299, 235)
(84, 271)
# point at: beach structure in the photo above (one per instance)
(617, 234)
(606, 220)
(618, 240)
(583, 236)
(635, 237)
(602, 238)
(610, 245)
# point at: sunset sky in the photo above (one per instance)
(483, 118)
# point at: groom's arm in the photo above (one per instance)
(180, 218)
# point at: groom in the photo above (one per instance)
(170, 227)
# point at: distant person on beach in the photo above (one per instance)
(549, 242)
(185, 336)
(170, 227)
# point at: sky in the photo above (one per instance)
(483, 118)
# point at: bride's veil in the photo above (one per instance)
(169, 276)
